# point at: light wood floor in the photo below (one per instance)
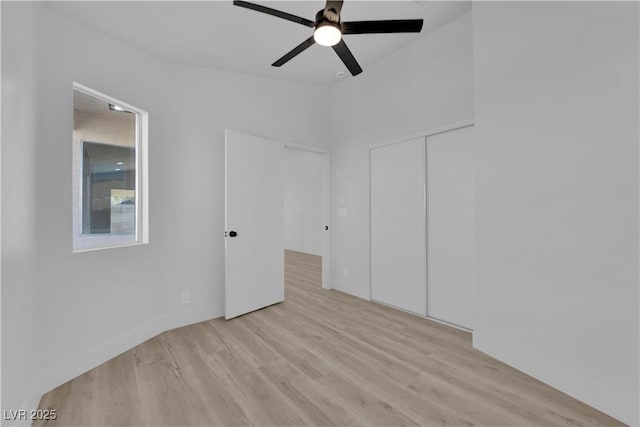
(319, 358)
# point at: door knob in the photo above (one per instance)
(232, 233)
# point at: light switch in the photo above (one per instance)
(342, 211)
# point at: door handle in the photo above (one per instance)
(232, 233)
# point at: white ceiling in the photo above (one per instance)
(216, 34)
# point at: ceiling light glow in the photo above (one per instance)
(327, 34)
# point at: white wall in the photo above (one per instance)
(303, 227)
(556, 102)
(93, 305)
(20, 139)
(424, 86)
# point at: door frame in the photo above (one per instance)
(423, 134)
(326, 207)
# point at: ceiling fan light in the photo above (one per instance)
(327, 35)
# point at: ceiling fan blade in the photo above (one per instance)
(347, 57)
(274, 12)
(295, 52)
(379, 27)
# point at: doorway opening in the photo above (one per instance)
(306, 215)
(254, 238)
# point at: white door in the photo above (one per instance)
(450, 225)
(398, 228)
(254, 218)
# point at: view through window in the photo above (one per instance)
(106, 154)
(109, 189)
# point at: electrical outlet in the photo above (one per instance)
(184, 296)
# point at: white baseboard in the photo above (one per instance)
(78, 364)
(182, 318)
(351, 289)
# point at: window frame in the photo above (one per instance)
(92, 242)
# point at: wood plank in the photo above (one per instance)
(320, 358)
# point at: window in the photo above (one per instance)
(109, 172)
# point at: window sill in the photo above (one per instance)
(96, 243)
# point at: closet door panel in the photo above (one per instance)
(450, 225)
(398, 227)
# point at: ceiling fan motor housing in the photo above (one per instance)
(328, 18)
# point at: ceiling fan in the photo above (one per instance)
(328, 30)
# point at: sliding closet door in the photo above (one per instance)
(398, 244)
(450, 225)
